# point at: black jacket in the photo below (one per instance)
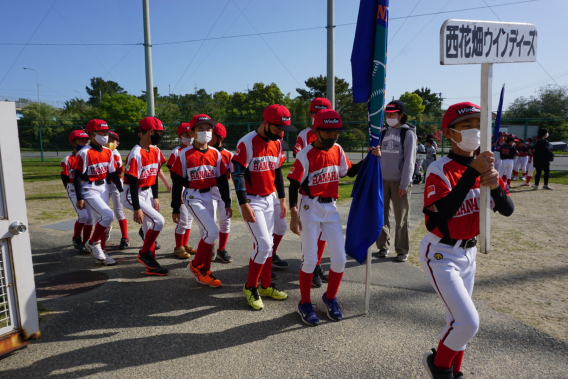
(542, 154)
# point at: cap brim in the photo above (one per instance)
(213, 123)
(342, 129)
(392, 111)
(286, 128)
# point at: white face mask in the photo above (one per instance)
(101, 140)
(471, 139)
(546, 136)
(186, 141)
(204, 137)
(392, 121)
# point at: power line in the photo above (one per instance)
(404, 22)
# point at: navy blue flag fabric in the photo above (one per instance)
(368, 65)
(498, 118)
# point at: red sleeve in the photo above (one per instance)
(161, 158)
(64, 169)
(177, 166)
(78, 165)
(132, 168)
(297, 171)
(299, 145)
(434, 189)
(171, 160)
(241, 155)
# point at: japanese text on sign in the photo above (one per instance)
(471, 42)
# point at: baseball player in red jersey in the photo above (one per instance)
(141, 190)
(257, 175)
(305, 138)
(221, 255)
(508, 153)
(199, 168)
(522, 161)
(78, 139)
(92, 166)
(113, 142)
(183, 229)
(447, 253)
(315, 174)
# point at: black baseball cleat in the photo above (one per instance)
(124, 243)
(78, 244)
(223, 256)
(147, 260)
(160, 271)
(433, 371)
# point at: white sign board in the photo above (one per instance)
(474, 42)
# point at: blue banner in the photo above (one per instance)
(498, 118)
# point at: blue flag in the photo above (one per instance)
(498, 118)
(368, 65)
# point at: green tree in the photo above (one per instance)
(99, 87)
(52, 122)
(121, 109)
(413, 104)
(431, 101)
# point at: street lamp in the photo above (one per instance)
(37, 79)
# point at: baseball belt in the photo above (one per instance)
(323, 200)
(466, 244)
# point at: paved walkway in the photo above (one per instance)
(172, 327)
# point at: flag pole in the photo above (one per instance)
(368, 281)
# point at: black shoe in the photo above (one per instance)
(124, 243)
(324, 277)
(273, 275)
(382, 253)
(278, 263)
(147, 260)
(459, 375)
(223, 256)
(141, 233)
(160, 271)
(433, 371)
(316, 278)
(158, 246)
(78, 244)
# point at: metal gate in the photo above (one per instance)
(18, 307)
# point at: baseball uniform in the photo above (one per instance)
(508, 153)
(115, 195)
(522, 162)
(218, 204)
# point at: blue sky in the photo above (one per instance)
(232, 64)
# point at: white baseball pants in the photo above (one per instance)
(280, 225)
(417, 167)
(522, 164)
(219, 204)
(262, 229)
(185, 218)
(84, 216)
(530, 168)
(316, 216)
(97, 197)
(506, 168)
(116, 201)
(451, 271)
(200, 206)
(498, 161)
(152, 218)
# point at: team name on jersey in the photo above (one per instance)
(325, 175)
(98, 168)
(149, 170)
(266, 163)
(470, 204)
(201, 172)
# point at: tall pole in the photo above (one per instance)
(330, 91)
(148, 54)
(485, 126)
(37, 80)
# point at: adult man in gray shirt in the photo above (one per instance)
(398, 146)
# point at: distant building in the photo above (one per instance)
(519, 130)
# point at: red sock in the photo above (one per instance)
(179, 239)
(78, 229)
(149, 241)
(457, 362)
(186, 237)
(98, 233)
(87, 232)
(276, 238)
(103, 241)
(508, 182)
(305, 286)
(123, 228)
(515, 173)
(266, 273)
(333, 284)
(444, 356)
(321, 247)
(203, 254)
(528, 179)
(223, 237)
(253, 274)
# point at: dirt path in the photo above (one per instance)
(526, 274)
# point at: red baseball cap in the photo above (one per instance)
(183, 127)
(198, 118)
(319, 103)
(77, 134)
(113, 134)
(151, 123)
(279, 115)
(328, 120)
(94, 125)
(459, 112)
(220, 130)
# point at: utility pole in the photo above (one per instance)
(148, 54)
(330, 91)
(37, 80)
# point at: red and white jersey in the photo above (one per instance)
(305, 138)
(261, 158)
(173, 157)
(117, 161)
(67, 166)
(96, 165)
(144, 165)
(320, 170)
(227, 161)
(200, 168)
(442, 176)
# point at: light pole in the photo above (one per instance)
(37, 79)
